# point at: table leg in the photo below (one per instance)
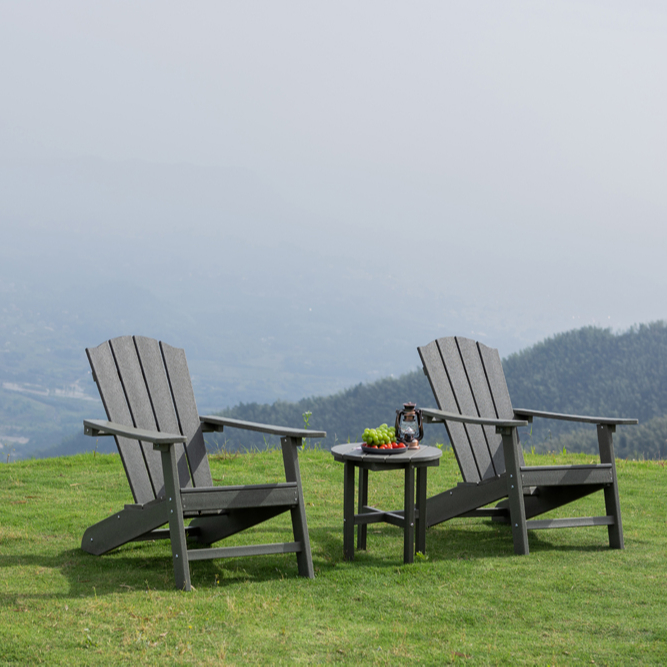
(421, 510)
(409, 516)
(348, 512)
(363, 501)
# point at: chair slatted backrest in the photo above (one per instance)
(467, 378)
(146, 384)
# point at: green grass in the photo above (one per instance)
(469, 601)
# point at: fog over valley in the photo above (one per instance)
(300, 195)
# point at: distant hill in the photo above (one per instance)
(589, 371)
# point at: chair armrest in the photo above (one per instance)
(435, 416)
(96, 427)
(214, 423)
(611, 421)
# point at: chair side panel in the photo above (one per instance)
(442, 390)
(495, 375)
(461, 387)
(482, 394)
(155, 375)
(139, 403)
(188, 417)
(111, 391)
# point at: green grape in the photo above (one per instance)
(380, 435)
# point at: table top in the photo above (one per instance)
(352, 452)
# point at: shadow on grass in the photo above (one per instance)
(137, 568)
(148, 565)
(446, 543)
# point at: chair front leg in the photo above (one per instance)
(172, 490)
(611, 499)
(299, 525)
(515, 489)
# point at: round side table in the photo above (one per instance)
(413, 512)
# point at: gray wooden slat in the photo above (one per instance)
(115, 404)
(442, 390)
(249, 550)
(496, 378)
(304, 558)
(186, 410)
(482, 394)
(466, 402)
(499, 391)
(464, 498)
(566, 475)
(210, 529)
(377, 516)
(240, 497)
(102, 427)
(574, 522)
(139, 403)
(611, 499)
(434, 416)
(152, 365)
(179, 548)
(511, 449)
(585, 419)
(122, 527)
(212, 422)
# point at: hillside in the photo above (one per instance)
(589, 371)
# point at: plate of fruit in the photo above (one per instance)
(381, 440)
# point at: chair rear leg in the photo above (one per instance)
(611, 499)
(299, 525)
(122, 527)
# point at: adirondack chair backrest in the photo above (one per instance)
(146, 384)
(467, 378)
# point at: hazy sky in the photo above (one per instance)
(520, 146)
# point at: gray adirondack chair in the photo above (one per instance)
(147, 394)
(474, 404)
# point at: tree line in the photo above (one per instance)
(589, 371)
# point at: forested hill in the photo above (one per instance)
(593, 371)
(589, 371)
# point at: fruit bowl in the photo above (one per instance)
(387, 451)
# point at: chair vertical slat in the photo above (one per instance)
(150, 358)
(466, 402)
(482, 394)
(442, 390)
(115, 404)
(495, 375)
(139, 403)
(188, 417)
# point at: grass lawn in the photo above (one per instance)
(469, 601)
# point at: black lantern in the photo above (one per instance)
(409, 428)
